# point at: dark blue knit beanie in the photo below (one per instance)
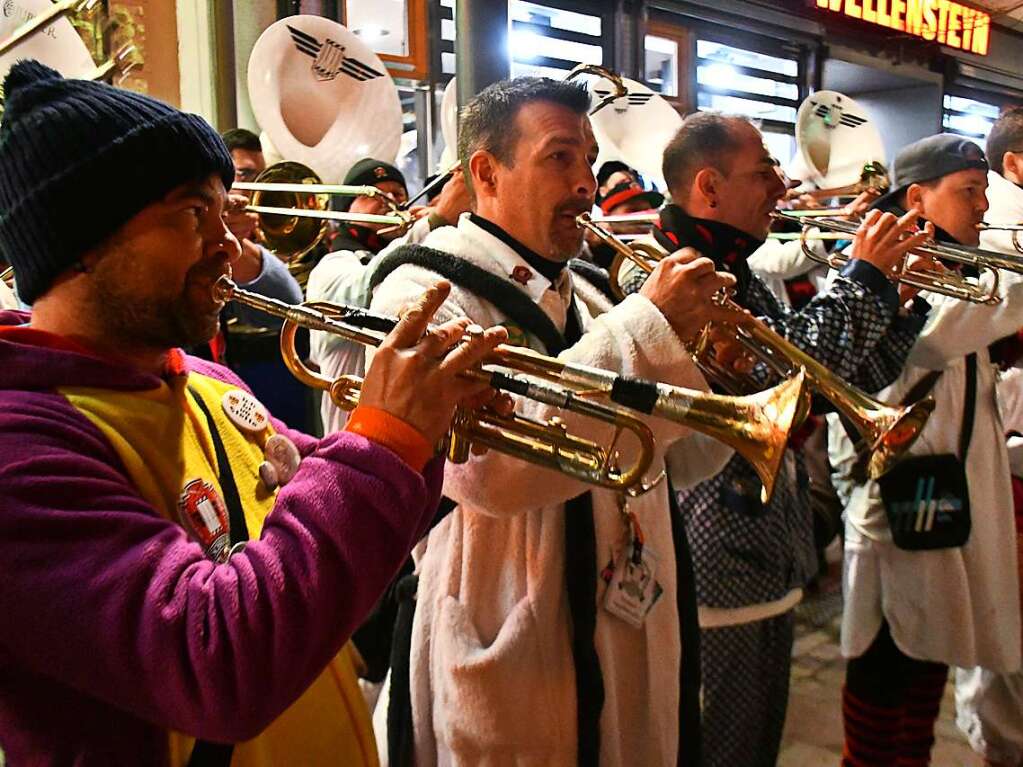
(80, 158)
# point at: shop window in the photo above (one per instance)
(782, 146)
(761, 86)
(660, 65)
(545, 41)
(968, 117)
(381, 24)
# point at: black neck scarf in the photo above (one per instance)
(549, 269)
(725, 245)
(355, 237)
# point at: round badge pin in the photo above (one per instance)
(282, 454)
(245, 411)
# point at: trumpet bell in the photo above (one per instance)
(756, 426)
(291, 237)
(895, 430)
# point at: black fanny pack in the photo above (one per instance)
(926, 498)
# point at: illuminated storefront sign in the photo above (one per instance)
(949, 23)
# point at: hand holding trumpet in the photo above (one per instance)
(416, 372)
(885, 241)
(686, 287)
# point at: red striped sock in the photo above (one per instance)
(871, 732)
(923, 703)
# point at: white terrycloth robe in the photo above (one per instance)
(956, 606)
(492, 678)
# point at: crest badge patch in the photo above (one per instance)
(204, 515)
(521, 274)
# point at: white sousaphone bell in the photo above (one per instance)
(634, 129)
(839, 146)
(322, 97)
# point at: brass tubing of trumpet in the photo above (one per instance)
(766, 419)
(818, 236)
(886, 432)
(553, 453)
(945, 283)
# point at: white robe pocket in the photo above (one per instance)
(503, 697)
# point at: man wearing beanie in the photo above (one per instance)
(177, 563)
(926, 591)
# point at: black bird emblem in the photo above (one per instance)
(329, 59)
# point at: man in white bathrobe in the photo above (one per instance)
(989, 704)
(909, 614)
(544, 634)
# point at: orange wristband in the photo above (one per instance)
(393, 433)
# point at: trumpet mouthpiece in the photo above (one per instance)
(223, 288)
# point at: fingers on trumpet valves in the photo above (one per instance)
(476, 344)
(414, 320)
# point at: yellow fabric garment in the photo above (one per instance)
(163, 440)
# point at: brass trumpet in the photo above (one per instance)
(936, 281)
(1013, 229)
(756, 426)
(886, 432)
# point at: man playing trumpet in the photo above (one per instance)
(178, 563)
(752, 560)
(910, 613)
(549, 619)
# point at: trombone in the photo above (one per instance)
(946, 283)
(292, 205)
(886, 432)
(756, 426)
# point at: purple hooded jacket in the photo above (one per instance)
(115, 628)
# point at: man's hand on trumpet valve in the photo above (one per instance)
(415, 374)
(858, 208)
(920, 264)
(729, 352)
(884, 240)
(686, 287)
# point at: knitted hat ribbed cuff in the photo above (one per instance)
(79, 159)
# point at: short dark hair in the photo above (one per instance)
(1006, 133)
(704, 139)
(240, 138)
(488, 120)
